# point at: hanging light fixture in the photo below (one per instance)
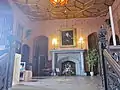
(59, 2)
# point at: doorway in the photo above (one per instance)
(40, 55)
(117, 40)
(93, 44)
(93, 41)
(25, 55)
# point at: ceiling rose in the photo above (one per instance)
(59, 2)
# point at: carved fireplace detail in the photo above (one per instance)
(68, 60)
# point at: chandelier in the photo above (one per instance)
(59, 2)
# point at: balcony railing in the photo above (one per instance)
(112, 72)
(3, 71)
(110, 62)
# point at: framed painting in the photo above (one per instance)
(68, 37)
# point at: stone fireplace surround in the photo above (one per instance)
(76, 56)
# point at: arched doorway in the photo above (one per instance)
(40, 55)
(117, 40)
(93, 41)
(25, 55)
(68, 68)
(93, 44)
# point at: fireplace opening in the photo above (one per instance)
(68, 68)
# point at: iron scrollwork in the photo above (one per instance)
(113, 78)
(110, 76)
(3, 71)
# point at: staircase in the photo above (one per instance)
(110, 62)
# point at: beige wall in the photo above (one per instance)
(21, 18)
(83, 27)
(50, 28)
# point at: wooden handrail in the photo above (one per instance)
(112, 62)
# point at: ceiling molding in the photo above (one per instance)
(44, 10)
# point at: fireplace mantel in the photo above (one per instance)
(67, 51)
(71, 54)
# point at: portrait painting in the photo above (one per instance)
(68, 37)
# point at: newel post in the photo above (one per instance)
(103, 41)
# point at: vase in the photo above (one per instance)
(92, 73)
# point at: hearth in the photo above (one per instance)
(70, 62)
(68, 68)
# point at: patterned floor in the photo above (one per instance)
(62, 83)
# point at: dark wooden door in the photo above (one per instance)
(25, 55)
(117, 40)
(93, 44)
(40, 55)
(93, 41)
(41, 65)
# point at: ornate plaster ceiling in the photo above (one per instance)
(44, 10)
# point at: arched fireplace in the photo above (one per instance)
(68, 68)
(68, 64)
(65, 60)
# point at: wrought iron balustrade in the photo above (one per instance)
(112, 71)
(3, 71)
(115, 52)
(110, 65)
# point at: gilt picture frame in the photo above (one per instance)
(68, 37)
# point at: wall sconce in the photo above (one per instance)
(81, 42)
(54, 42)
